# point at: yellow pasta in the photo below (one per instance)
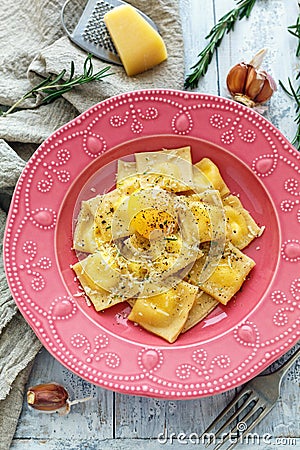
(242, 228)
(165, 314)
(202, 306)
(213, 174)
(227, 275)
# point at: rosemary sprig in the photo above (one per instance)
(295, 94)
(292, 91)
(54, 87)
(215, 36)
(295, 31)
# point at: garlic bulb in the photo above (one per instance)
(50, 398)
(250, 85)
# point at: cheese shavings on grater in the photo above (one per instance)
(91, 33)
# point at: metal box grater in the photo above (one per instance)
(91, 34)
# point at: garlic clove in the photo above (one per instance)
(265, 93)
(236, 78)
(254, 83)
(48, 397)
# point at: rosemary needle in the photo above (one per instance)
(54, 87)
(294, 93)
(215, 36)
(295, 31)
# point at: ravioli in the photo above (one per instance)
(202, 306)
(225, 277)
(127, 177)
(211, 171)
(84, 239)
(100, 298)
(165, 314)
(108, 205)
(209, 219)
(242, 228)
(169, 169)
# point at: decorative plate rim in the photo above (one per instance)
(31, 262)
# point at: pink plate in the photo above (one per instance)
(234, 343)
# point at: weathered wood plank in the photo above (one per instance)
(146, 418)
(151, 418)
(197, 19)
(93, 419)
(194, 416)
(188, 443)
(139, 417)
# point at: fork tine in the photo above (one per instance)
(230, 405)
(223, 413)
(239, 410)
(263, 413)
(233, 431)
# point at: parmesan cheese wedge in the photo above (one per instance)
(139, 46)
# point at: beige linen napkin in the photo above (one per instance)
(33, 46)
(56, 52)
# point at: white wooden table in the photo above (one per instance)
(114, 421)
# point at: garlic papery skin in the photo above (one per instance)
(250, 85)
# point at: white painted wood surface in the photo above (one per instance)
(114, 421)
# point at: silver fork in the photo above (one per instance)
(259, 396)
